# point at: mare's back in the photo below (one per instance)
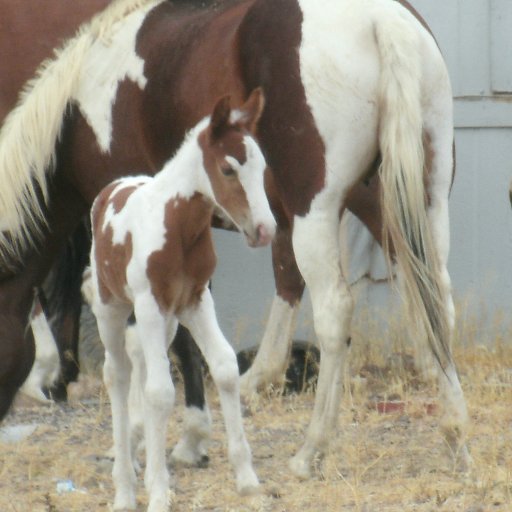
(29, 31)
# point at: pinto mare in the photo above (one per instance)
(23, 46)
(341, 94)
(152, 254)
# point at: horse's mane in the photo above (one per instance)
(29, 134)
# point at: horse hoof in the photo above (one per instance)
(249, 490)
(181, 457)
(124, 503)
(463, 460)
(248, 484)
(300, 468)
(203, 462)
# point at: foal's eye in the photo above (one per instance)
(228, 171)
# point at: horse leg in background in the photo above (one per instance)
(439, 160)
(221, 359)
(64, 298)
(192, 448)
(269, 365)
(17, 347)
(46, 367)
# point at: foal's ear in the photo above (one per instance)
(252, 109)
(220, 116)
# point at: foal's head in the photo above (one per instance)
(235, 165)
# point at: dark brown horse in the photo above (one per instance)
(341, 96)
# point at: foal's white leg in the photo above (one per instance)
(220, 356)
(315, 241)
(159, 398)
(269, 365)
(116, 373)
(135, 396)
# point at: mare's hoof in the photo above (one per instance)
(300, 468)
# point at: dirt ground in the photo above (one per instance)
(379, 461)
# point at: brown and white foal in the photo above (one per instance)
(152, 253)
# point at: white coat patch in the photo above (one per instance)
(108, 63)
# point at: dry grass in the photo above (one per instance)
(378, 462)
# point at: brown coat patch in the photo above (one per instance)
(111, 259)
(179, 271)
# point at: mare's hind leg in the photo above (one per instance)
(221, 359)
(455, 416)
(192, 448)
(318, 260)
(269, 365)
(116, 374)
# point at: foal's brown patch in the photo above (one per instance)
(179, 271)
(111, 259)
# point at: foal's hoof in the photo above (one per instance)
(181, 457)
(463, 460)
(300, 468)
(247, 484)
(249, 489)
(124, 503)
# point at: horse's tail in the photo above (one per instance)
(29, 134)
(406, 232)
(510, 193)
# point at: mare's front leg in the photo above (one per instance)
(116, 374)
(315, 240)
(192, 448)
(269, 365)
(65, 305)
(159, 396)
(221, 358)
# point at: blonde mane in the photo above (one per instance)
(31, 130)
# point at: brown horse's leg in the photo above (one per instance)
(17, 347)
(17, 291)
(63, 288)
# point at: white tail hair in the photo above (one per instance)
(30, 132)
(406, 229)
